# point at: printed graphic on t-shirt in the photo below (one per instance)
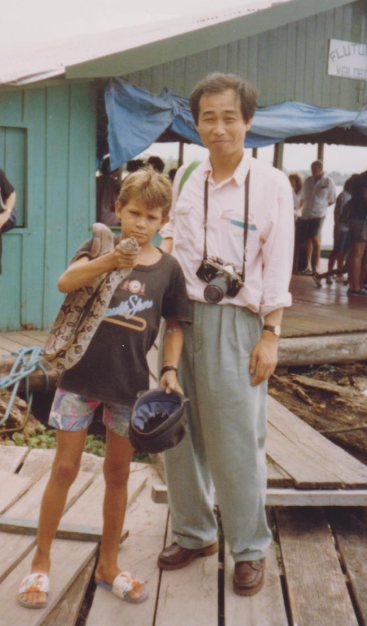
(127, 309)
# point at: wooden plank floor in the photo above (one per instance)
(316, 572)
(323, 311)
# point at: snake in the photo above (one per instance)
(83, 309)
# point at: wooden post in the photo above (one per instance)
(254, 152)
(181, 154)
(278, 155)
(320, 151)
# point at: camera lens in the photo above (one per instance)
(215, 291)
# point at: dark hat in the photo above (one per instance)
(157, 421)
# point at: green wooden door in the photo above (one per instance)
(47, 150)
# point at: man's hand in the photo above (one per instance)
(263, 359)
(169, 382)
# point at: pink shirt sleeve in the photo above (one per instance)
(277, 252)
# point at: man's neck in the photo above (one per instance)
(224, 167)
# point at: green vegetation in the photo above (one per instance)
(43, 439)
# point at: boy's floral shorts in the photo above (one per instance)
(72, 412)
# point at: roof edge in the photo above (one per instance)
(198, 40)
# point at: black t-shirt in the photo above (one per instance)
(114, 367)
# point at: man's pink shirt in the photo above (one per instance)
(270, 240)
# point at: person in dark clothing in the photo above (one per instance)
(108, 189)
(358, 234)
(7, 204)
(156, 163)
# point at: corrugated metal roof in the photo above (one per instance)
(21, 67)
(35, 63)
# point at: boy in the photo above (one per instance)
(112, 371)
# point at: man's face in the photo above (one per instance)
(317, 172)
(221, 126)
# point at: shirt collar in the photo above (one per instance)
(238, 175)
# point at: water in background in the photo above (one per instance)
(328, 227)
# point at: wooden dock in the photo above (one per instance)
(316, 572)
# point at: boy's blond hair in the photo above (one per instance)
(148, 186)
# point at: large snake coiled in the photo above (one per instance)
(83, 309)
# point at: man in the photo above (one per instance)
(7, 203)
(318, 192)
(228, 354)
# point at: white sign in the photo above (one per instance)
(347, 59)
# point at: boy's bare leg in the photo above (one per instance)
(63, 473)
(116, 472)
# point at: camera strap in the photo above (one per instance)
(245, 228)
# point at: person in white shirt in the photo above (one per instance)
(241, 210)
(318, 193)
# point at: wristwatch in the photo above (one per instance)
(168, 368)
(273, 329)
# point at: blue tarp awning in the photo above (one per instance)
(136, 118)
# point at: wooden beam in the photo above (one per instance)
(278, 155)
(294, 497)
(180, 154)
(320, 151)
(65, 531)
(341, 348)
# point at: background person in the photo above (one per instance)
(156, 163)
(358, 235)
(108, 189)
(296, 183)
(7, 207)
(318, 192)
(341, 229)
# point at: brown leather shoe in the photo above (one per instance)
(176, 557)
(248, 577)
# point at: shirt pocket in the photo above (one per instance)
(236, 226)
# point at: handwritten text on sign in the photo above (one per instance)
(347, 59)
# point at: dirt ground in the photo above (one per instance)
(330, 398)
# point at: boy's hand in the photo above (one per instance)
(170, 383)
(122, 260)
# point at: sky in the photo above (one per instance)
(30, 22)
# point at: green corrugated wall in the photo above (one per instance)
(288, 63)
(57, 201)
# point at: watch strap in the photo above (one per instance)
(273, 329)
(168, 368)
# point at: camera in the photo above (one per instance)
(222, 279)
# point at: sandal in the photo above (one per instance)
(36, 582)
(123, 583)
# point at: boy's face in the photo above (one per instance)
(139, 221)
